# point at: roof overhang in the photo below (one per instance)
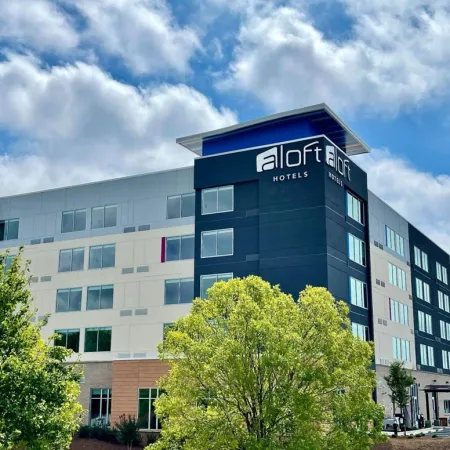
(437, 388)
(321, 116)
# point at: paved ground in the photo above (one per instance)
(422, 443)
(93, 444)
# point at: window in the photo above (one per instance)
(179, 291)
(73, 221)
(97, 339)
(425, 322)
(9, 229)
(395, 242)
(421, 259)
(180, 247)
(401, 349)
(100, 297)
(443, 301)
(102, 256)
(218, 200)
(426, 355)
(7, 262)
(423, 290)
(146, 409)
(71, 260)
(100, 407)
(360, 331)
(445, 365)
(181, 206)
(355, 208)
(217, 243)
(358, 293)
(68, 300)
(356, 250)
(399, 312)
(397, 277)
(104, 217)
(441, 273)
(206, 281)
(445, 330)
(69, 339)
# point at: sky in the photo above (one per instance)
(95, 89)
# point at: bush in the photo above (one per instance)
(436, 423)
(411, 436)
(427, 423)
(128, 431)
(84, 432)
(434, 436)
(394, 436)
(153, 437)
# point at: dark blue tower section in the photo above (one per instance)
(289, 220)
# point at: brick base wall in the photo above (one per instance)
(128, 377)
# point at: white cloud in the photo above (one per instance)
(37, 24)
(421, 197)
(397, 56)
(141, 32)
(74, 123)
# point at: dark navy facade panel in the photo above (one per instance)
(435, 254)
(290, 222)
(263, 134)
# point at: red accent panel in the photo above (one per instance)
(163, 249)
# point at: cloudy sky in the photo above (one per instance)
(93, 89)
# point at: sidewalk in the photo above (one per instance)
(414, 432)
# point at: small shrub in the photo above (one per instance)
(434, 436)
(436, 423)
(427, 423)
(411, 436)
(84, 432)
(128, 431)
(394, 436)
(152, 437)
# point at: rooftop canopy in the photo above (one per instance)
(319, 118)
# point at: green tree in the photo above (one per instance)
(399, 381)
(251, 369)
(38, 390)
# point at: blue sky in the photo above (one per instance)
(93, 89)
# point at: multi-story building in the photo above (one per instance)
(115, 262)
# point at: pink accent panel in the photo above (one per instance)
(163, 249)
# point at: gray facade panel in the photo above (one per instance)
(382, 215)
(140, 200)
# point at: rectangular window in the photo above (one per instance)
(100, 297)
(146, 409)
(423, 290)
(445, 361)
(426, 355)
(9, 229)
(69, 339)
(425, 322)
(104, 217)
(68, 300)
(71, 260)
(356, 250)
(97, 339)
(100, 406)
(181, 206)
(102, 256)
(446, 402)
(399, 312)
(355, 208)
(420, 259)
(179, 291)
(443, 301)
(360, 331)
(401, 349)
(395, 242)
(217, 243)
(444, 275)
(441, 273)
(206, 281)
(358, 293)
(445, 330)
(73, 221)
(179, 247)
(397, 276)
(7, 262)
(218, 200)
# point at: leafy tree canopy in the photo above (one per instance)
(252, 369)
(38, 391)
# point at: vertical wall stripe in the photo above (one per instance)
(163, 249)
